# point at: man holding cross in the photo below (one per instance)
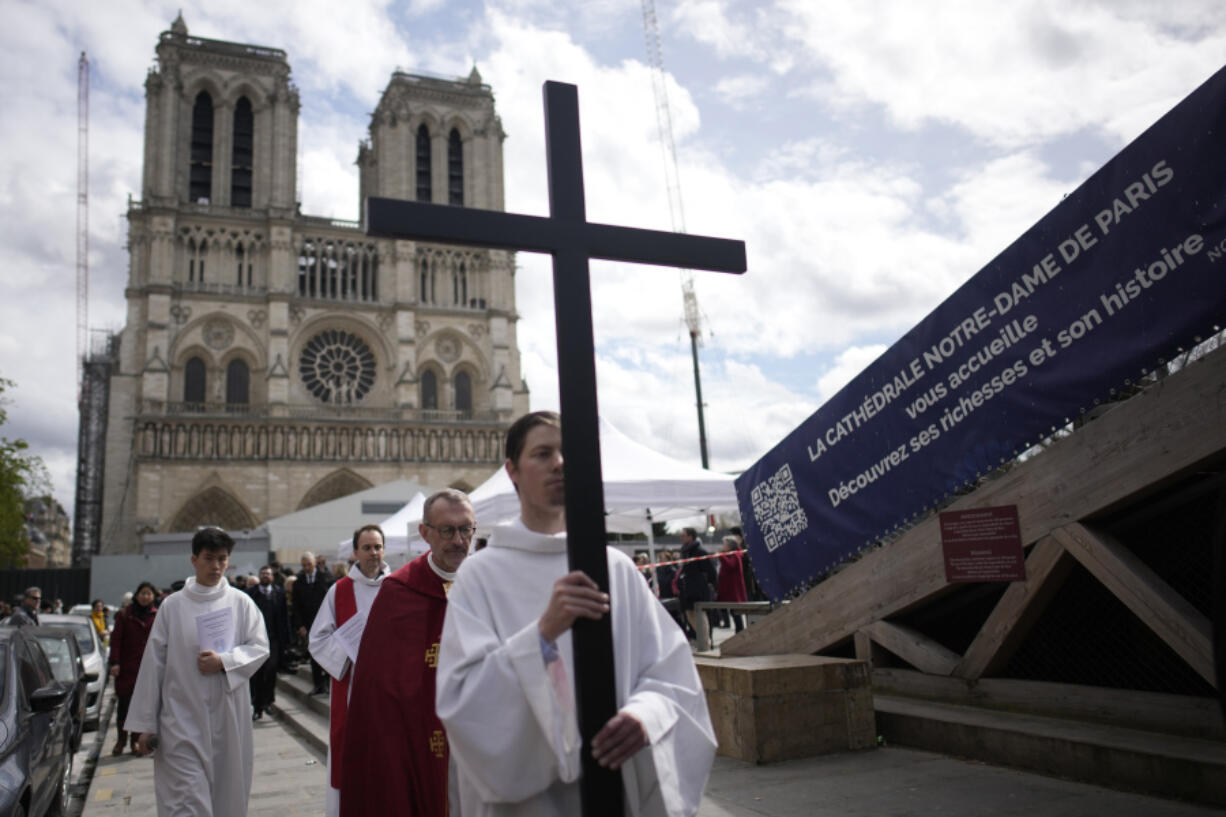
(505, 688)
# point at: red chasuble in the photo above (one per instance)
(346, 608)
(395, 749)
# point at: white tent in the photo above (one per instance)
(641, 486)
(401, 542)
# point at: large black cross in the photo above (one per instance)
(571, 240)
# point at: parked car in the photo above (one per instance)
(95, 660)
(68, 666)
(35, 730)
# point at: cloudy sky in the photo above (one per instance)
(872, 155)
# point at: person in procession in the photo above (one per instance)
(310, 587)
(128, 638)
(192, 690)
(350, 597)
(506, 659)
(271, 601)
(391, 711)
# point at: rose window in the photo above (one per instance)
(337, 367)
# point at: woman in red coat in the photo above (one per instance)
(731, 585)
(128, 637)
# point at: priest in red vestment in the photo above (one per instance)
(395, 750)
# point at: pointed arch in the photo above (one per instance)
(200, 171)
(422, 152)
(455, 168)
(462, 385)
(429, 390)
(212, 506)
(194, 375)
(242, 158)
(334, 486)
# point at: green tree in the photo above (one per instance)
(21, 475)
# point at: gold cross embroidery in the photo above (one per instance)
(432, 656)
(437, 742)
(446, 588)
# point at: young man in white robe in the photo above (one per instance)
(362, 584)
(194, 695)
(505, 674)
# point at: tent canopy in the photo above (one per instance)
(641, 486)
(399, 533)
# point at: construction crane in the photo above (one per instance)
(676, 209)
(82, 219)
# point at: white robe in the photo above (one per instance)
(515, 745)
(203, 765)
(329, 652)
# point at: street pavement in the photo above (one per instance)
(289, 781)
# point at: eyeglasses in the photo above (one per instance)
(449, 531)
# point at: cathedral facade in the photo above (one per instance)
(273, 360)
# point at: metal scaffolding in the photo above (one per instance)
(91, 444)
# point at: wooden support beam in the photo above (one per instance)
(1142, 591)
(1006, 627)
(1180, 714)
(872, 652)
(914, 647)
(1167, 429)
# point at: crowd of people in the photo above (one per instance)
(450, 679)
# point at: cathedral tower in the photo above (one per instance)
(273, 360)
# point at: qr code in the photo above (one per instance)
(776, 506)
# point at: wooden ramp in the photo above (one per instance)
(1139, 460)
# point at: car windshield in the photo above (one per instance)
(59, 656)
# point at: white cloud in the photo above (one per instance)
(738, 90)
(849, 363)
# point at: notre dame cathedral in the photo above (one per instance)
(273, 360)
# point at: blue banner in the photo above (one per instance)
(1124, 274)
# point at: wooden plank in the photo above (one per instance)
(914, 647)
(1010, 621)
(1178, 714)
(1168, 429)
(864, 648)
(1142, 591)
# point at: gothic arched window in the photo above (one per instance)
(463, 392)
(243, 157)
(455, 169)
(429, 390)
(423, 164)
(193, 381)
(238, 379)
(200, 187)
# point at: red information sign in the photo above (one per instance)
(983, 545)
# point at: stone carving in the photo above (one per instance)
(180, 313)
(447, 348)
(296, 313)
(257, 317)
(423, 328)
(218, 333)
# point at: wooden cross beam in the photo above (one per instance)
(568, 236)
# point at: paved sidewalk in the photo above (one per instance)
(898, 782)
(289, 781)
(890, 782)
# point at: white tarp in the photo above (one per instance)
(401, 542)
(641, 486)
